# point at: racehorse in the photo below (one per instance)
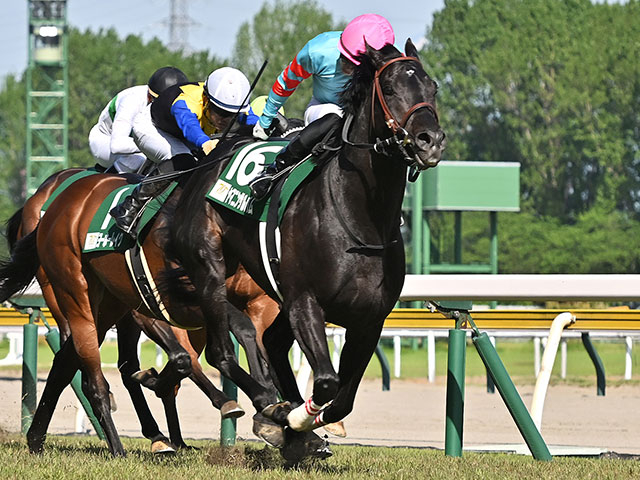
(348, 268)
(245, 294)
(342, 255)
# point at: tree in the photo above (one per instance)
(553, 85)
(12, 145)
(277, 33)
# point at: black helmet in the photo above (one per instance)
(164, 78)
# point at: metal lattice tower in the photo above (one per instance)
(179, 22)
(47, 91)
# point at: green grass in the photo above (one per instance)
(71, 457)
(517, 356)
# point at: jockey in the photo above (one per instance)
(110, 139)
(329, 59)
(181, 121)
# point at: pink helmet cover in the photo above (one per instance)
(373, 29)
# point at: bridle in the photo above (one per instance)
(400, 138)
(389, 118)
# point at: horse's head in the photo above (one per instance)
(404, 104)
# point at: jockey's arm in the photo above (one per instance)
(189, 123)
(300, 68)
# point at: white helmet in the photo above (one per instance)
(228, 89)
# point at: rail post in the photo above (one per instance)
(228, 425)
(595, 358)
(456, 359)
(510, 396)
(29, 369)
(384, 365)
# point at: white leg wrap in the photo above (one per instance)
(303, 418)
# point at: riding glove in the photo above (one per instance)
(209, 145)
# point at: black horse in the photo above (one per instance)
(342, 252)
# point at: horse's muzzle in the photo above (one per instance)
(430, 146)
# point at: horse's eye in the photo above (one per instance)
(387, 89)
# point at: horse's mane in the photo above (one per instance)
(360, 82)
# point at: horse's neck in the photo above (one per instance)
(370, 182)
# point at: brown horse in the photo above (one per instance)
(245, 294)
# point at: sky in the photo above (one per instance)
(215, 23)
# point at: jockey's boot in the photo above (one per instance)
(301, 146)
(126, 212)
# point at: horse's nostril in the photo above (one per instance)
(425, 138)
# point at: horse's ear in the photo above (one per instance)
(410, 49)
(375, 56)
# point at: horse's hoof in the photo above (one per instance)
(268, 431)
(35, 443)
(300, 445)
(162, 447)
(336, 429)
(146, 378)
(231, 409)
(278, 412)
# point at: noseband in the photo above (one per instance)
(400, 137)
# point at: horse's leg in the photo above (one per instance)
(128, 364)
(65, 365)
(179, 360)
(88, 326)
(360, 344)
(307, 320)
(243, 329)
(194, 342)
(277, 340)
(165, 384)
(220, 353)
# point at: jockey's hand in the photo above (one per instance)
(260, 133)
(209, 145)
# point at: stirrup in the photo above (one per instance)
(128, 228)
(261, 186)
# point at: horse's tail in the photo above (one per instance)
(12, 227)
(17, 272)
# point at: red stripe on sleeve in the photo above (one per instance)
(297, 69)
(279, 90)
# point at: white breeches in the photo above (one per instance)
(99, 144)
(156, 144)
(315, 110)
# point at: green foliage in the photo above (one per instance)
(553, 85)
(277, 33)
(12, 145)
(599, 241)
